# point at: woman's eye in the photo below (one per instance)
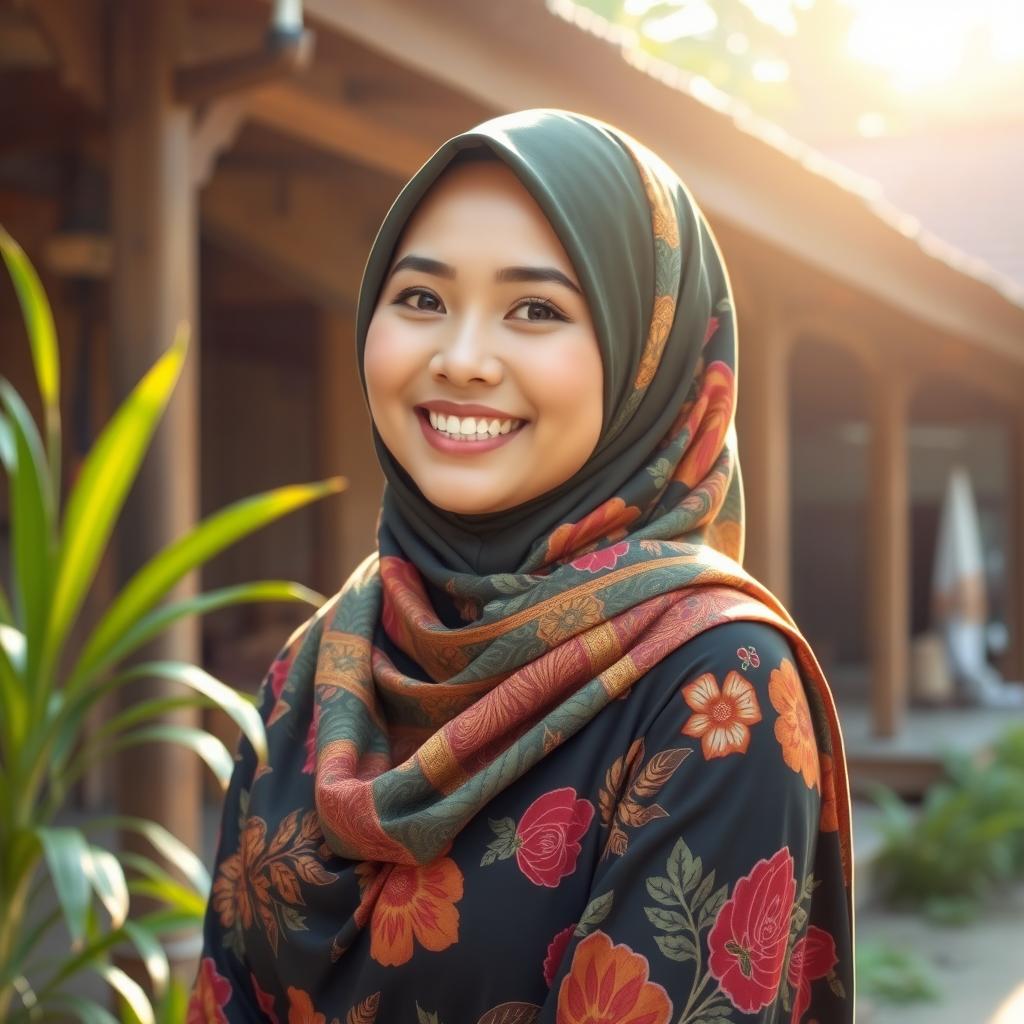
(539, 310)
(426, 302)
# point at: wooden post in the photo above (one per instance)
(154, 287)
(889, 553)
(347, 527)
(764, 445)
(1015, 554)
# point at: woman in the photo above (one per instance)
(550, 754)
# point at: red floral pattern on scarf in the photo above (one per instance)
(609, 520)
(602, 558)
(713, 414)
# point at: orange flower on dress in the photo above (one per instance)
(722, 717)
(301, 1011)
(793, 728)
(231, 890)
(416, 902)
(610, 983)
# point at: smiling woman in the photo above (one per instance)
(463, 362)
(550, 755)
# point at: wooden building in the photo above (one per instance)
(161, 161)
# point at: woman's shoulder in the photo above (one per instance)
(747, 646)
(735, 669)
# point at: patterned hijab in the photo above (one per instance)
(466, 648)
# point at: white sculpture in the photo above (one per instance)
(959, 603)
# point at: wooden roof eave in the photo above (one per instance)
(740, 168)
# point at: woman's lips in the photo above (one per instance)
(452, 447)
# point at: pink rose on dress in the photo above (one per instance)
(749, 937)
(813, 957)
(556, 952)
(546, 842)
(264, 999)
(548, 835)
(211, 993)
(603, 558)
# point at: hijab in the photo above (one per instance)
(564, 602)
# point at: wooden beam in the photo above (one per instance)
(1015, 559)
(74, 30)
(889, 551)
(22, 44)
(79, 254)
(215, 131)
(339, 128)
(154, 221)
(203, 83)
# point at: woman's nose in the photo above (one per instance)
(466, 357)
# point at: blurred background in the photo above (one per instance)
(860, 162)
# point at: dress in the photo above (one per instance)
(671, 862)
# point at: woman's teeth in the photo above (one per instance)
(470, 428)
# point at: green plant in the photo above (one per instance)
(891, 974)
(995, 784)
(44, 747)
(1009, 749)
(967, 836)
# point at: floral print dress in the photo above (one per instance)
(674, 862)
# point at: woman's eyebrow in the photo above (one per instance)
(424, 265)
(439, 269)
(536, 274)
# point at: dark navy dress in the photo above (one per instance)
(672, 863)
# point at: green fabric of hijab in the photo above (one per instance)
(584, 176)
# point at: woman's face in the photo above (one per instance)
(482, 366)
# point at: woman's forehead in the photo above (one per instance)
(480, 210)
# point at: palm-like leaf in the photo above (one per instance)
(42, 338)
(100, 491)
(44, 745)
(158, 576)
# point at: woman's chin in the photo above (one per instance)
(467, 501)
(471, 508)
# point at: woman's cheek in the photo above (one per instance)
(567, 382)
(387, 359)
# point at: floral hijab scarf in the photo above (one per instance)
(561, 604)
